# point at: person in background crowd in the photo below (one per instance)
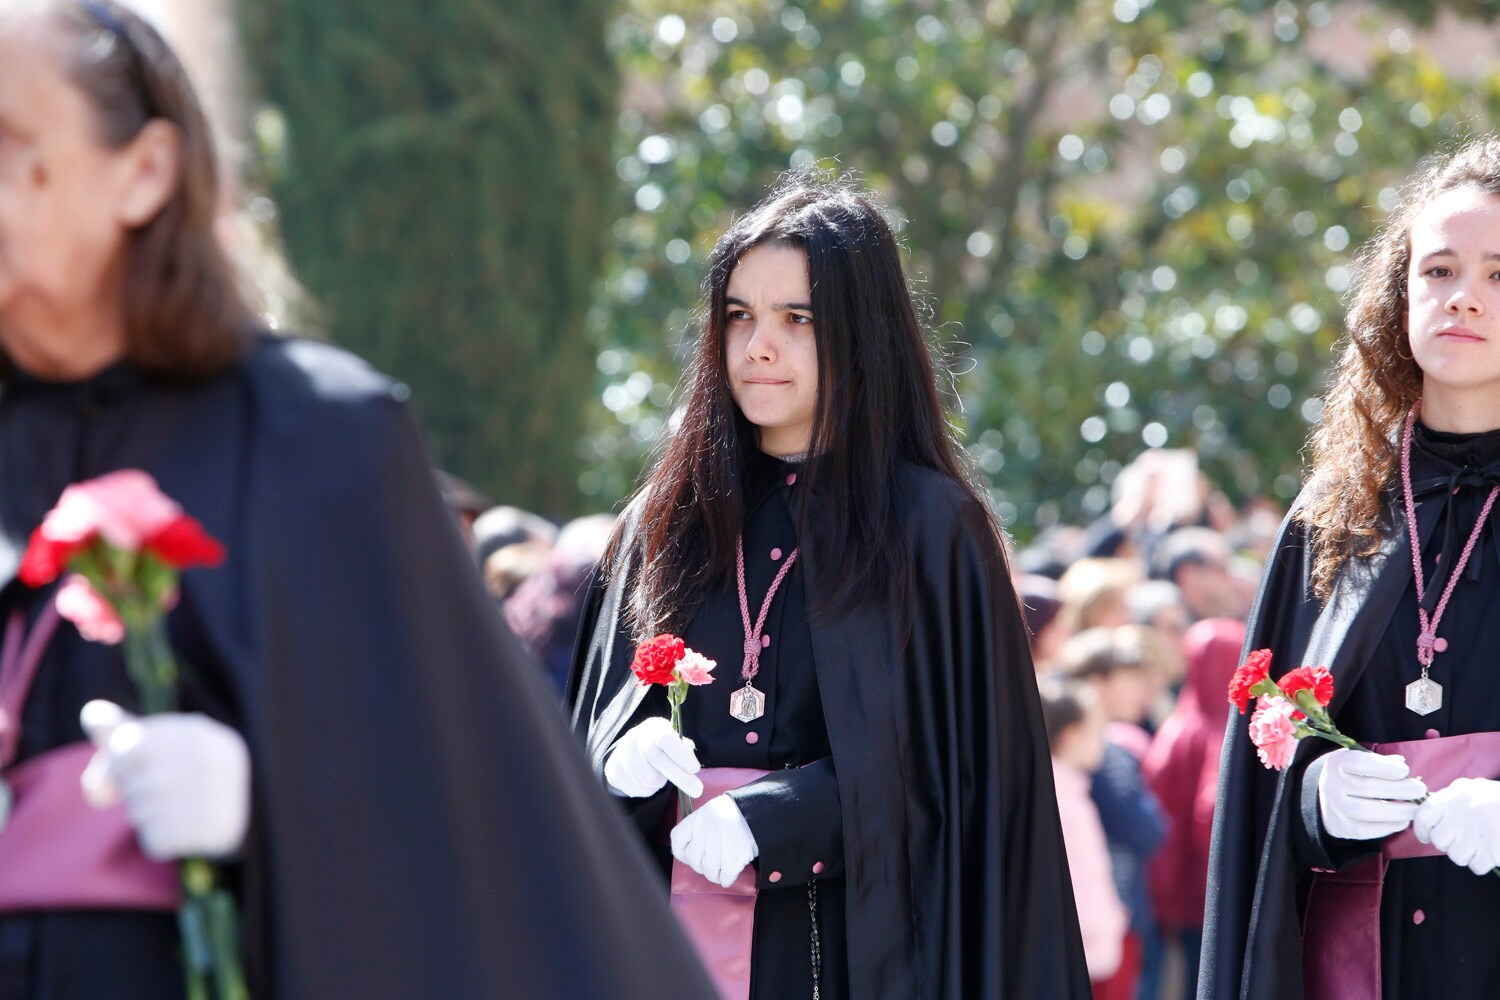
(392, 795)
(1051, 552)
(1197, 561)
(1040, 607)
(1093, 592)
(1364, 874)
(546, 608)
(1182, 770)
(1075, 729)
(466, 502)
(1164, 667)
(1158, 605)
(1110, 666)
(509, 567)
(501, 526)
(878, 781)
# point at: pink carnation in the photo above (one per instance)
(96, 618)
(695, 668)
(1273, 730)
(125, 508)
(130, 513)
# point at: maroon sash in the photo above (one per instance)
(56, 851)
(719, 922)
(1341, 925)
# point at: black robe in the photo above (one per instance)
(421, 823)
(1438, 921)
(955, 884)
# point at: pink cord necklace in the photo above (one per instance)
(748, 704)
(1424, 695)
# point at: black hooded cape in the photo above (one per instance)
(956, 881)
(423, 825)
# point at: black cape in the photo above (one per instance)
(1267, 834)
(956, 882)
(423, 825)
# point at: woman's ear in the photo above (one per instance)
(151, 166)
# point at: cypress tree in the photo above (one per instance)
(443, 196)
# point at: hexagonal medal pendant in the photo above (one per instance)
(747, 704)
(1424, 696)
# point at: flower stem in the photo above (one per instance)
(676, 695)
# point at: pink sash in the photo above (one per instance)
(1341, 926)
(56, 851)
(719, 922)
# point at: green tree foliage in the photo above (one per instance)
(441, 198)
(1133, 220)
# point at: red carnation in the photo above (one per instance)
(46, 558)
(1256, 668)
(1315, 679)
(183, 544)
(656, 658)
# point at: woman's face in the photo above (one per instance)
(66, 201)
(1453, 288)
(769, 347)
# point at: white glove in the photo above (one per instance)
(184, 778)
(715, 841)
(649, 756)
(1463, 821)
(1366, 796)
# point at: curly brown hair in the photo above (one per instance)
(1377, 381)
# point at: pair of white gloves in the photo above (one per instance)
(1366, 796)
(714, 840)
(184, 779)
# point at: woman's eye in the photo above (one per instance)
(800, 320)
(1438, 272)
(735, 315)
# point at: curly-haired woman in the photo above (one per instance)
(1368, 874)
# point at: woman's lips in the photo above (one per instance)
(1461, 333)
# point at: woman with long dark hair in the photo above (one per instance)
(1360, 874)
(874, 791)
(398, 809)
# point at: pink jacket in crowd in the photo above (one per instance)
(1102, 918)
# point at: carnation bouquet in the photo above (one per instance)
(667, 660)
(120, 545)
(1285, 710)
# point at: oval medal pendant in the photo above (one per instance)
(747, 704)
(1424, 696)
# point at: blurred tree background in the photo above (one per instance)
(442, 172)
(1132, 220)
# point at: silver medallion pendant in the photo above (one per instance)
(747, 704)
(1424, 696)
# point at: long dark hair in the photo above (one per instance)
(186, 314)
(878, 407)
(1377, 380)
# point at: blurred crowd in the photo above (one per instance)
(534, 568)
(1136, 624)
